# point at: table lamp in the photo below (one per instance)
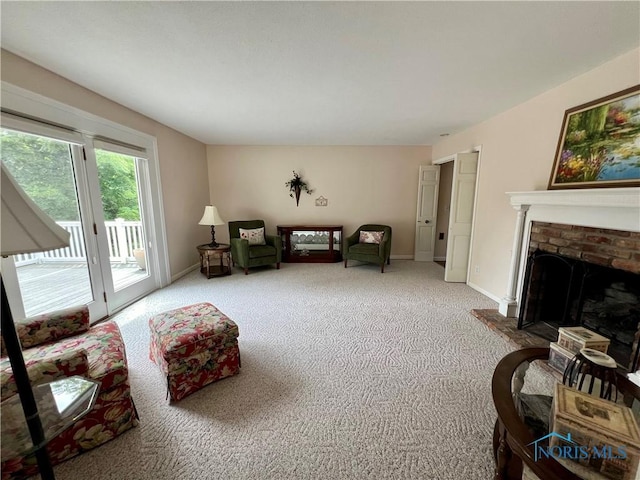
(25, 228)
(211, 217)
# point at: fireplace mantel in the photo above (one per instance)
(611, 208)
(592, 197)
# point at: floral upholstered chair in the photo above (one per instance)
(62, 344)
(369, 243)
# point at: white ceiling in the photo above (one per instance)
(319, 73)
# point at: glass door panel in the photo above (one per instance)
(123, 219)
(44, 168)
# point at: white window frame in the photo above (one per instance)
(79, 122)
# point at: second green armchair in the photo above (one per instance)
(252, 248)
(370, 243)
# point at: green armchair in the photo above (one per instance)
(379, 253)
(247, 255)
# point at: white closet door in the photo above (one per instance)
(461, 217)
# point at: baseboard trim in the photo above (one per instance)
(401, 257)
(484, 292)
(184, 272)
(439, 259)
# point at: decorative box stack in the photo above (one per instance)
(600, 439)
(570, 341)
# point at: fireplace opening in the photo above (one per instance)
(560, 291)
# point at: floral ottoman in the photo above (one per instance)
(194, 346)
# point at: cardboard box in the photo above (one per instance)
(575, 338)
(559, 357)
(600, 438)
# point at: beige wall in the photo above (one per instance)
(362, 184)
(183, 165)
(518, 148)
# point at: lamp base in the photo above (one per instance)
(213, 243)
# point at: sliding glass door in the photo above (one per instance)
(99, 192)
(122, 181)
(46, 170)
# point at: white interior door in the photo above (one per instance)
(426, 213)
(461, 216)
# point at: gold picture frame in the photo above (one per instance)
(599, 144)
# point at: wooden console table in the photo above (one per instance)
(311, 243)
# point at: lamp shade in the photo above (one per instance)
(25, 227)
(211, 216)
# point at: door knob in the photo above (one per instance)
(426, 221)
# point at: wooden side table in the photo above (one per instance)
(215, 261)
(514, 442)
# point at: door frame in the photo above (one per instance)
(38, 108)
(450, 158)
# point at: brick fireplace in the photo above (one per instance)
(609, 248)
(583, 276)
(578, 234)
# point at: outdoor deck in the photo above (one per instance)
(50, 286)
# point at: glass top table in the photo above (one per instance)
(523, 387)
(60, 403)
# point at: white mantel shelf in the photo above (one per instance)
(608, 208)
(591, 197)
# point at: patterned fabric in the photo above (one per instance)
(370, 237)
(44, 370)
(254, 236)
(186, 379)
(97, 353)
(194, 346)
(51, 326)
(112, 415)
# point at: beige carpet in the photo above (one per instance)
(346, 374)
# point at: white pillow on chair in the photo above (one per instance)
(255, 236)
(370, 237)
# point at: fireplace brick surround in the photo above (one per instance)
(594, 226)
(592, 212)
(608, 248)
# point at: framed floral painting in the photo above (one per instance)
(599, 144)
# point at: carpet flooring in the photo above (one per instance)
(346, 374)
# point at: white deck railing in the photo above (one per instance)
(124, 237)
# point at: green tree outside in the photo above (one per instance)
(42, 167)
(118, 185)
